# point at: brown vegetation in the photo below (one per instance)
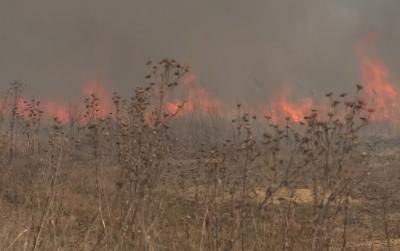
(137, 180)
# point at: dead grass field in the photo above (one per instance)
(144, 178)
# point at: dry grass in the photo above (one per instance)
(137, 180)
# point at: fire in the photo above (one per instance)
(57, 110)
(174, 107)
(295, 112)
(200, 100)
(23, 107)
(95, 88)
(381, 94)
(52, 109)
(197, 100)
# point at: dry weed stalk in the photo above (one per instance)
(139, 178)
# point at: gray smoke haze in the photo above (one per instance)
(239, 50)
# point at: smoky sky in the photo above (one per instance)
(239, 50)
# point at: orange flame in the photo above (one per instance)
(23, 107)
(381, 94)
(57, 110)
(295, 112)
(197, 100)
(95, 87)
(173, 107)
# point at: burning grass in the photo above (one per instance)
(139, 173)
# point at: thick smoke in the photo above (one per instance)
(240, 50)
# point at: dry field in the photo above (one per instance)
(145, 178)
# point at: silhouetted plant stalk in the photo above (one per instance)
(55, 154)
(14, 94)
(135, 178)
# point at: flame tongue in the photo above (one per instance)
(57, 110)
(381, 94)
(104, 104)
(295, 112)
(197, 100)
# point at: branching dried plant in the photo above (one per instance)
(140, 177)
